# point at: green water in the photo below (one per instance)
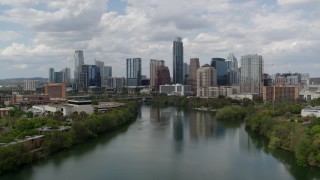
(170, 144)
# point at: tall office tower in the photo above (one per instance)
(83, 81)
(107, 74)
(67, 76)
(206, 77)
(58, 77)
(233, 70)
(185, 73)
(251, 80)
(30, 85)
(162, 77)
(221, 67)
(177, 61)
(192, 80)
(133, 72)
(154, 64)
(79, 61)
(51, 75)
(94, 77)
(117, 83)
(100, 64)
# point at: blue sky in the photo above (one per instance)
(38, 34)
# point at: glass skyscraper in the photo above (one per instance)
(251, 80)
(221, 68)
(79, 61)
(178, 61)
(233, 70)
(133, 72)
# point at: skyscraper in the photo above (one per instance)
(100, 64)
(67, 76)
(58, 77)
(177, 61)
(221, 68)
(251, 80)
(133, 71)
(192, 79)
(185, 73)
(162, 77)
(94, 77)
(233, 70)
(51, 75)
(107, 74)
(79, 61)
(206, 77)
(154, 64)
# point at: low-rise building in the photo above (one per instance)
(280, 92)
(4, 112)
(176, 89)
(311, 112)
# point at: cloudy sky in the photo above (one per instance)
(38, 34)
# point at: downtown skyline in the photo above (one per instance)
(285, 32)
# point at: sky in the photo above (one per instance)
(38, 34)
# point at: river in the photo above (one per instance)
(169, 143)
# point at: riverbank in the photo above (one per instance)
(83, 129)
(282, 127)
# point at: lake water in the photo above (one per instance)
(169, 143)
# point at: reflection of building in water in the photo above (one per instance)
(202, 125)
(155, 114)
(178, 126)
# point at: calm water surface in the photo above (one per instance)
(169, 143)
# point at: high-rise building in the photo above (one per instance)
(133, 72)
(251, 80)
(51, 75)
(192, 79)
(233, 70)
(221, 68)
(30, 85)
(117, 83)
(83, 81)
(79, 61)
(177, 61)
(162, 77)
(58, 77)
(154, 64)
(185, 72)
(107, 74)
(100, 64)
(67, 76)
(206, 77)
(94, 77)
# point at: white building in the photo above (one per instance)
(30, 85)
(311, 112)
(176, 89)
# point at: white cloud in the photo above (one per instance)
(209, 28)
(8, 35)
(296, 2)
(20, 66)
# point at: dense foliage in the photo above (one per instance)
(83, 128)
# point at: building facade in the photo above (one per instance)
(107, 74)
(100, 65)
(94, 77)
(56, 90)
(192, 79)
(162, 77)
(30, 85)
(276, 92)
(66, 76)
(221, 68)
(79, 61)
(177, 61)
(233, 70)
(154, 64)
(133, 72)
(51, 75)
(251, 80)
(117, 83)
(176, 89)
(206, 77)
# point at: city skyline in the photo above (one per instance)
(285, 32)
